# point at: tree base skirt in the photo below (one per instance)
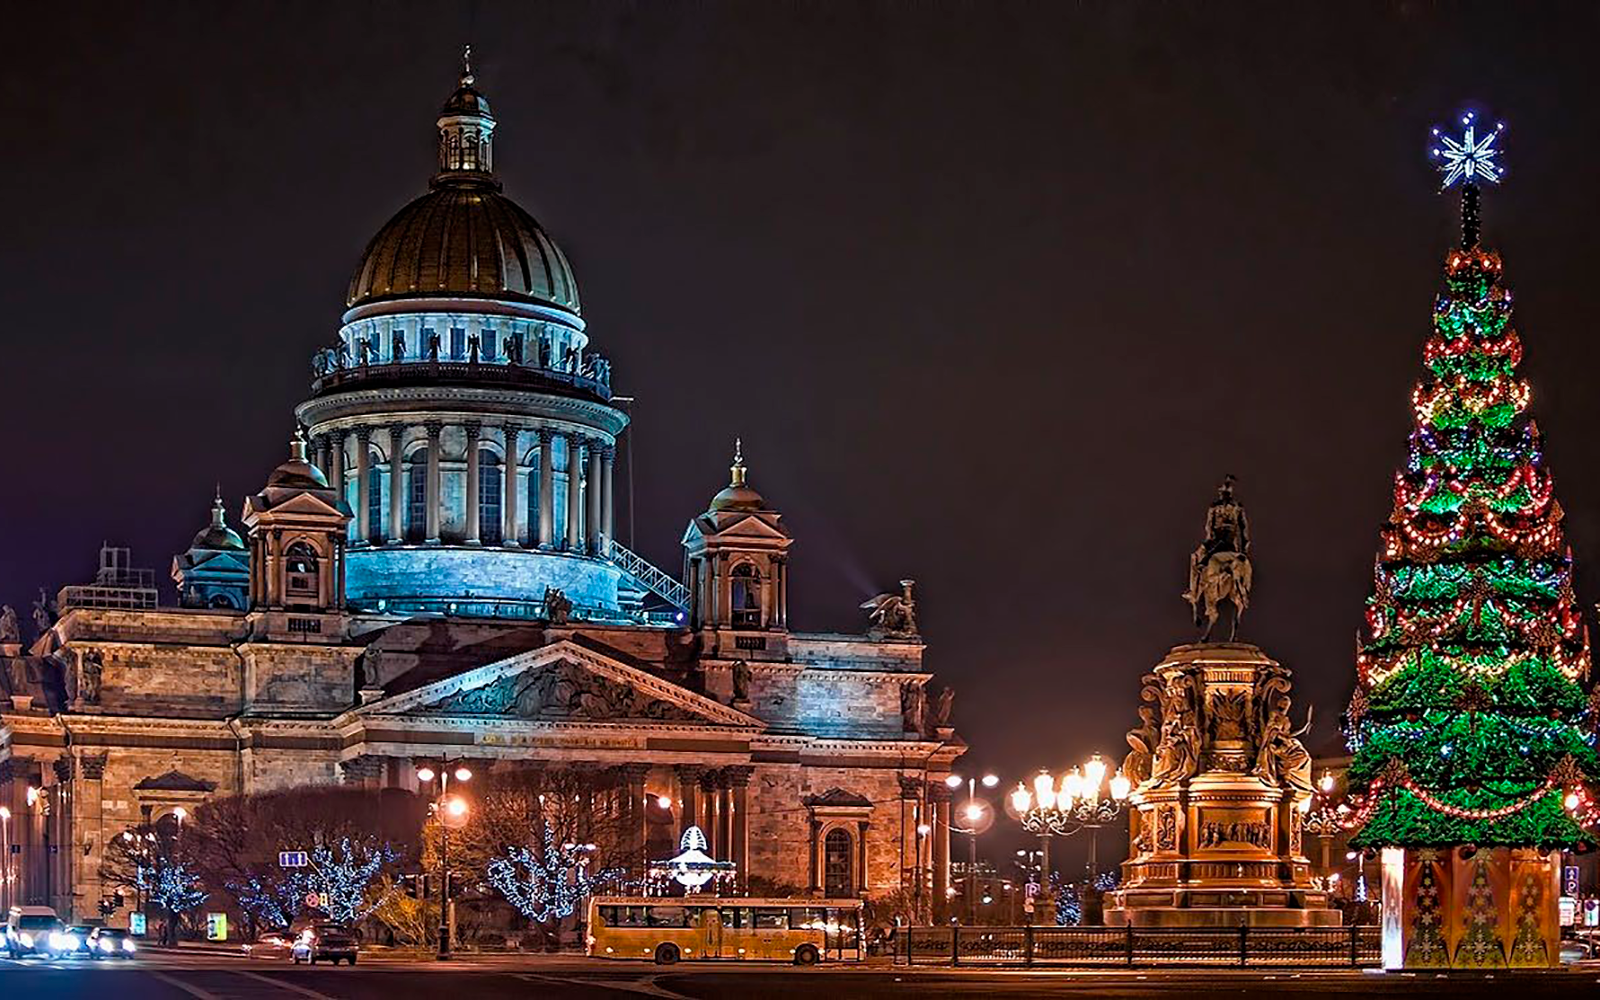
(1497, 908)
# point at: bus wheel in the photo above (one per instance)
(806, 955)
(666, 954)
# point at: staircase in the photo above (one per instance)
(651, 577)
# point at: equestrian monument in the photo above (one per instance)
(1221, 779)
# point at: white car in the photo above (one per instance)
(29, 928)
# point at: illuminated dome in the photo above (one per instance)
(217, 535)
(738, 495)
(298, 473)
(464, 238)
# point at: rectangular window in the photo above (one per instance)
(772, 920)
(735, 917)
(489, 344)
(667, 916)
(458, 344)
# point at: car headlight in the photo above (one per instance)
(27, 940)
(58, 940)
(127, 944)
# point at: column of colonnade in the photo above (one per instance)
(591, 520)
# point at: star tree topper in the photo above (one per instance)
(1471, 156)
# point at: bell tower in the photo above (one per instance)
(297, 528)
(736, 561)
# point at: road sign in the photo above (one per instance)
(1591, 913)
(313, 900)
(216, 927)
(1032, 890)
(1569, 911)
(291, 859)
(1571, 878)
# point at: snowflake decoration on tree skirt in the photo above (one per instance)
(1472, 156)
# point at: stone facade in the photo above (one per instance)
(433, 574)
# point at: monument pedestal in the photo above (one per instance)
(1216, 822)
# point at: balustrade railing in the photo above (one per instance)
(1245, 947)
(653, 578)
(463, 371)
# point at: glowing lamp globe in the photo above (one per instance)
(1120, 786)
(1021, 800)
(1094, 773)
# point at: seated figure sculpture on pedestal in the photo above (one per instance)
(1221, 775)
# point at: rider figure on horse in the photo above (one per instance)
(1227, 532)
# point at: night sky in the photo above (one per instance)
(994, 293)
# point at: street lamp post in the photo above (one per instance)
(977, 814)
(1322, 818)
(452, 814)
(5, 858)
(1083, 799)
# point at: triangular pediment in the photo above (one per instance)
(752, 527)
(562, 682)
(306, 504)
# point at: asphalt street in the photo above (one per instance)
(212, 977)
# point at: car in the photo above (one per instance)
(1578, 950)
(28, 930)
(111, 942)
(333, 942)
(71, 942)
(270, 944)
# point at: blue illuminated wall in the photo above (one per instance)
(476, 581)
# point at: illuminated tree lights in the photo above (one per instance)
(551, 883)
(1469, 724)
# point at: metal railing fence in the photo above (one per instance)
(1240, 947)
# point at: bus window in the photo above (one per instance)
(667, 916)
(736, 917)
(608, 916)
(771, 920)
(630, 916)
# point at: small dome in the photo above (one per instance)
(738, 498)
(738, 495)
(466, 101)
(298, 473)
(217, 534)
(464, 239)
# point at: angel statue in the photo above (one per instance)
(1219, 569)
(893, 615)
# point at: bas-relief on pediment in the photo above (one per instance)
(559, 691)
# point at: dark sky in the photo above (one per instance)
(995, 293)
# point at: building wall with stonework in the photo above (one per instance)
(433, 572)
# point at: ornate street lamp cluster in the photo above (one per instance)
(1082, 799)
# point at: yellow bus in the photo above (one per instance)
(666, 929)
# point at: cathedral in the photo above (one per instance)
(432, 574)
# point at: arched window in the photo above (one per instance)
(838, 875)
(300, 571)
(375, 479)
(745, 601)
(417, 496)
(222, 601)
(489, 479)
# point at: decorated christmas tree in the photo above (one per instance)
(1470, 725)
